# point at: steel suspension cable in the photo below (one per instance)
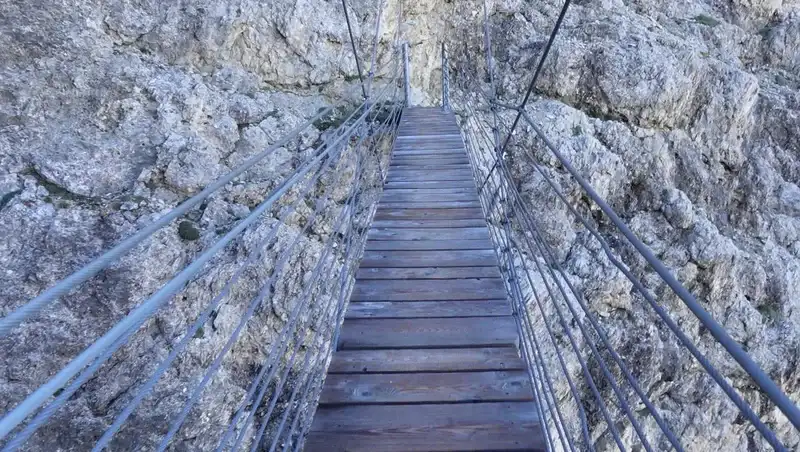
(355, 51)
(469, 145)
(729, 391)
(34, 306)
(577, 296)
(253, 388)
(548, 380)
(277, 390)
(741, 357)
(203, 318)
(538, 71)
(342, 303)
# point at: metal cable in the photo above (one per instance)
(375, 46)
(525, 337)
(549, 257)
(538, 71)
(140, 314)
(203, 318)
(306, 295)
(353, 44)
(184, 413)
(35, 306)
(759, 377)
(250, 393)
(548, 380)
(343, 303)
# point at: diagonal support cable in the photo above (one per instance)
(353, 44)
(539, 67)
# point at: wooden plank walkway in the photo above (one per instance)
(427, 358)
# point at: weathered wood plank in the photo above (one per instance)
(431, 204)
(429, 387)
(428, 273)
(425, 360)
(431, 290)
(418, 151)
(429, 191)
(433, 184)
(459, 213)
(434, 427)
(410, 245)
(422, 309)
(428, 333)
(391, 197)
(455, 233)
(435, 176)
(456, 258)
(427, 224)
(401, 176)
(433, 161)
(425, 166)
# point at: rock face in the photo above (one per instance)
(684, 115)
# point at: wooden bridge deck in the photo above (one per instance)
(427, 358)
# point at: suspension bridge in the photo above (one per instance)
(435, 316)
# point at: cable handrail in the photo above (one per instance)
(332, 149)
(553, 315)
(502, 202)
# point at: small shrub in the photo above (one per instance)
(706, 20)
(188, 231)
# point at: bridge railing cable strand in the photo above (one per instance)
(300, 245)
(587, 390)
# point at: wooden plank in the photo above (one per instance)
(465, 233)
(427, 224)
(428, 273)
(429, 191)
(414, 175)
(433, 184)
(425, 166)
(459, 213)
(427, 427)
(429, 387)
(425, 360)
(421, 309)
(428, 333)
(413, 172)
(425, 176)
(457, 258)
(391, 197)
(431, 204)
(432, 150)
(432, 135)
(409, 245)
(443, 160)
(431, 290)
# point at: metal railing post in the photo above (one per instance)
(445, 80)
(406, 74)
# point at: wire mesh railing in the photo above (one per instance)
(295, 256)
(588, 392)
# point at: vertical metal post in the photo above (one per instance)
(406, 74)
(445, 80)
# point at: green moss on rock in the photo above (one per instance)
(188, 231)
